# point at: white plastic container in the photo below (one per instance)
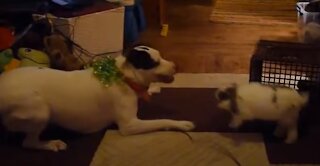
(307, 22)
(98, 33)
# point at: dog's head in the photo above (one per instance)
(145, 65)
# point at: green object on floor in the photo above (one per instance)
(5, 58)
(31, 57)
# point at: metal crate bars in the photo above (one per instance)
(294, 65)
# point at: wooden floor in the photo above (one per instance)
(199, 45)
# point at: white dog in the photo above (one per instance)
(32, 97)
(264, 102)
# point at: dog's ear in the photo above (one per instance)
(141, 58)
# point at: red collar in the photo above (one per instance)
(141, 91)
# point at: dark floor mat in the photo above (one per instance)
(197, 105)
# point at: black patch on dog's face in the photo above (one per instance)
(141, 59)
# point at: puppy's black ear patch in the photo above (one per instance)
(227, 94)
(141, 59)
(223, 96)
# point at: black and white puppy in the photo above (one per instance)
(262, 102)
(32, 97)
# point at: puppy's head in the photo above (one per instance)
(225, 97)
(59, 51)
(57, 42)
(148, 66)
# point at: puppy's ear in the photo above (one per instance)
(141, 59)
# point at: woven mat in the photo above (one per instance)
(175, 148)
(271, 12)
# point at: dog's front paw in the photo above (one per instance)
(185, 125)
(52, 145)
(56, 145)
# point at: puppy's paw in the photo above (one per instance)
(185, 125)
(234, 125)
(292, 136)
(290, 140)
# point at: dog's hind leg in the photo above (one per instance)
(138, 126)
(31, 117)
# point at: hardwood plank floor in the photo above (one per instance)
(197, 45)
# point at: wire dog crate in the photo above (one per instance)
(293, 65)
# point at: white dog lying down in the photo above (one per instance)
(32, 97)
(264, 102)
